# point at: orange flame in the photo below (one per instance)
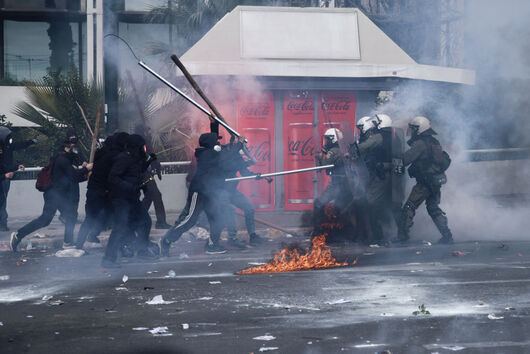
(317, 257)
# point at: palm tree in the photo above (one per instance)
(52, 105)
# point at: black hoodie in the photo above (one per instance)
(65, 176)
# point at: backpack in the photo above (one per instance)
(440, 158)
(44, 177)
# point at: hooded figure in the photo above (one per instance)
(8, 146)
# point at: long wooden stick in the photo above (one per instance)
(95, 136)
(266, 223)
(84, 117)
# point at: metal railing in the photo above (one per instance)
(168, 168)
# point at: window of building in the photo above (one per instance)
(31, 48)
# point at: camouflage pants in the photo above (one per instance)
(431, 196)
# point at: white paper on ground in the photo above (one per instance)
(158, 300)
(266, 349)
(265, 337)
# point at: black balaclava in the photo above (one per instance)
(136, 146)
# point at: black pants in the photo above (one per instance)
(53, 201)
(152, 195)
(97, 213)
(212, 206)
(6, 184)
(239, 200)
(121, 210)
(336, 191)
(140, 223)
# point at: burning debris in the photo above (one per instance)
(317, 257)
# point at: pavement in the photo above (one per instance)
(470, 297)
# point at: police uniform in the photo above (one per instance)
(337, 190)
(428, 185)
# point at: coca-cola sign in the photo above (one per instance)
(301, 148)
(255, 111)
(299, 106)
(261, 152)
(337, 106)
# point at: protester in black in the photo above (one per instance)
(206, 193)
(60, 196)
(124, 181)
(8, 147)
(151, 192)
(97, 206)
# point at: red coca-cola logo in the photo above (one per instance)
(261, 152)
(337, 106)
(255, 110)
(301, 147)
(300, 106)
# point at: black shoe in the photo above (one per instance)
(105, 263)
(126, 251)
(165, 245)
(255, 240)
(446, 241)
(234, 242)
(14, 241)
(162, 225)
(214, 249)
(4, 228)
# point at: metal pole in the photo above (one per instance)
(189, 99)
(281, 173)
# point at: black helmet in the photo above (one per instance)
(5, 136)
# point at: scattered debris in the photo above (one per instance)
(519, 254)
(149, 288)
(185, 326)
(256, 263)
(124, 278)
(427, 243)
(215, 282)
(29, 316)
(454, 348)
(288, 235)
(47, 297)
(492, 316)
(21, 261)
(205, 298)
(384, 314)
(339, 301)
(140, 328)
(210, 264)
(421, 311)
(4, 277)
(266, 349)
(171, 274)
(200, 233)
(56, 303)
(39, 235)
(70, 252)
(29, 246)
(509, 308)
(121, 288)
(158, 300)
(368, 254)
(375, 246)
(419, 252)
(161, 331)
(1, 324)
(265, 337)
(460, 253)
(183, 256)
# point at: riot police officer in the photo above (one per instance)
(428, 163)
(337, 190)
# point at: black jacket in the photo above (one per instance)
(17, 145)
(125, 177)
(65, 176)
(231, 162)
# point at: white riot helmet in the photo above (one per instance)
(365, 124)
(332, 136)
(383, 121)
(419, 125)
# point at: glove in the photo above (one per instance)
(268, 179)
(156, 169)
(399, 170)
(258, 176)
(152, 156)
